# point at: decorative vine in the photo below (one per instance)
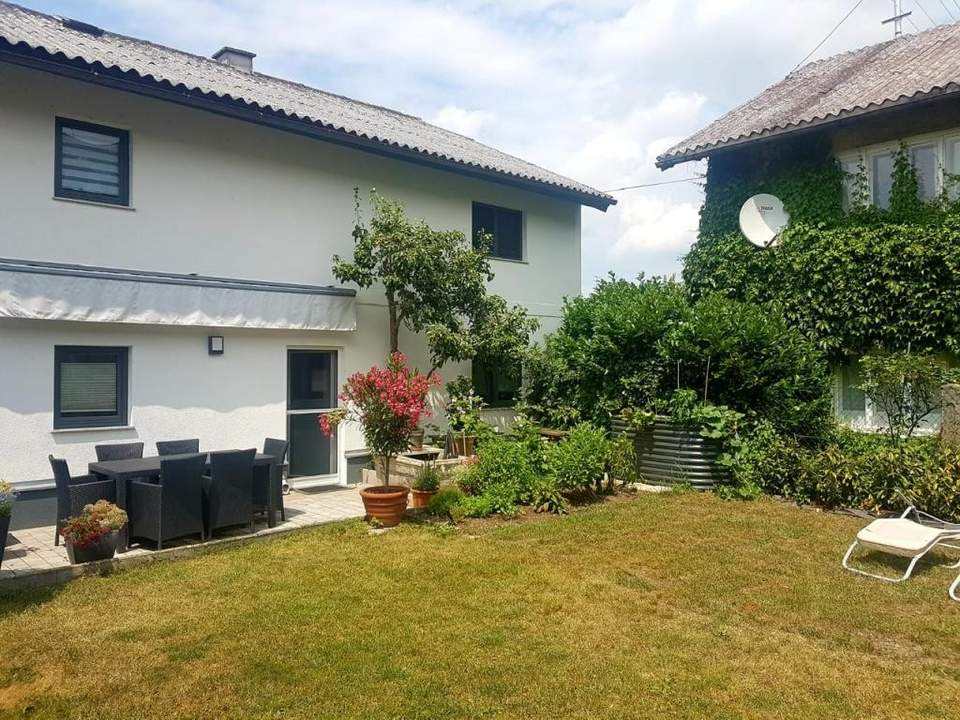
(849, 280)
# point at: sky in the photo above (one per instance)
(593, 89)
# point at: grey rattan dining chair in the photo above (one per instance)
(119, 451)
(178, 447)
(272, 484)
(73, 493)
(172, 507)
(228, 490)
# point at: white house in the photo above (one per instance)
(168, 223)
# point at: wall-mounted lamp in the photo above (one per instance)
(215, 344)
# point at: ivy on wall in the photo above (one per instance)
(850, 281)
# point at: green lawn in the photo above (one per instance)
(667, 606)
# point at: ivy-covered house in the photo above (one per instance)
(864, 150)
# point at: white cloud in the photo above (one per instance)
(463, 121)
(655, 223)
(595, 89)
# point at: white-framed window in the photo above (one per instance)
(854, 409)
(935, 157)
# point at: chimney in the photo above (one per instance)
(242, 59)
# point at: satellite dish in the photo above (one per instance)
(762, 217)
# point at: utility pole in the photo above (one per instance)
(897, 19)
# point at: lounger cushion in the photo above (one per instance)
(900, 536)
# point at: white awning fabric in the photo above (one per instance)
(56, 291)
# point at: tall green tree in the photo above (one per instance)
(435, 283)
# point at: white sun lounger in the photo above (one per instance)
(911, 535)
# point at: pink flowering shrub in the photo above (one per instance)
(389, 404)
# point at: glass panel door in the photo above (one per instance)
(311, 389)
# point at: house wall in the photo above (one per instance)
(215, 196)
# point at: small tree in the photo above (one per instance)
(435, 282)
(388, 403)
(905, 387)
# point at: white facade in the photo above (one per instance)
(219, 197)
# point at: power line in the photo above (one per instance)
(829, 34)
(949, 11)
(957, 4)
(924, 11)
(910, 20)
(655, 184)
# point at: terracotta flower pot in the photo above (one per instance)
(101, 549)
(421, 498)
(386, 503)
(464, 445)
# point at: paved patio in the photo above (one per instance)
(31, 558)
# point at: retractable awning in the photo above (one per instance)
(56, 291)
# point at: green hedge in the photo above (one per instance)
(857, 471)
(629, 344)
(847, 288)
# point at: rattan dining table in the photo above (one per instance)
(265, 468)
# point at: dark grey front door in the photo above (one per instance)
(311, 389)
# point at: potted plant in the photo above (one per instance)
(425, 485)
(388, 403)
(92, 535)
(7, 498)
(463, 415)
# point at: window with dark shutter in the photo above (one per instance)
(505, 228)
(90, 387)
(92, 162)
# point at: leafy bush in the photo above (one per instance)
(745, 357)
(870, 472)
(473, 506)
(578, 462)
(622, 462)
(501, 463)
(629, 345)
(545, 496)
(445, 501)
(904, 387)
(604, 357)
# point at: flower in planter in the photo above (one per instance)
(7, 497)
(97, 520)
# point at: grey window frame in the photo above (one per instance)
(498, 209)
(123, 199)
(66, 353)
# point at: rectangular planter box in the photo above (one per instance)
(405, 468)
(668, 454)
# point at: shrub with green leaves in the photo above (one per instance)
(622, 462)
(905, 387)
(545, 496)
(446, 499)
(502, 474)
(869, 472)
(579, 461)
(630, 345)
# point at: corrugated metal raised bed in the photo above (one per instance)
(668, 455)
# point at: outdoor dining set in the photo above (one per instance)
(179, 492)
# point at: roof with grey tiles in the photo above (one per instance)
(896, 72)
(408, 137)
